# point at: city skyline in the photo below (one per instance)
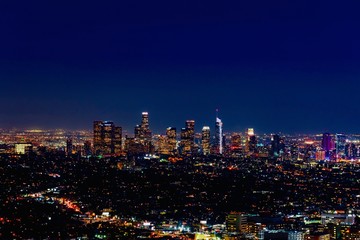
(198, 128)
(180, 120)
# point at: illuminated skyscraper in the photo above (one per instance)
(253, 144)
(117, 141)
(184, 146)
(187, 137)
(143, 133)
(161, 144)
(171, 139)
(219, 136)
(145, 120)
(145, 126)
(351, 151)
(327, 144)
(107, 138)
(235, 144)
(137, 131)
(205, 140)
(340, 145)
(108, 131)
(98, 142)
(277, 145)
(190, 126)
(251, 141)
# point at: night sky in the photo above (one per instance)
(290, 66)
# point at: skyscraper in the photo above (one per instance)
(145, 120)
(205, 140)
(219, 136)
(351, 151)
(251, 141)
(97, 142)
(161, 144)
(171, 139)
(143, 133)
(277, 145)
(190, 126)
(235, 144)
(327, 145)
(340, 145)
(107, 138)
(187, 136)
(117, 141)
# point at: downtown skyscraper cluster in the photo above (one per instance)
(108, 139)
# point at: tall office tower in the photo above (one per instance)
(97, 142)
(354, 150)
(235, 143)
(205, 140)
(187, 136)
(253, 144)
(340, 142)
(219, 136)
(184, 147)
(251, 141)
(161, 144)
(351, 151)
(69, 147)
(137, 132)
(143, 133)
(145, 126)
(190, 126)
(277, 145)
(117, 141)
(171, 139)
(327, 144)
(107, 138)
(145, 120)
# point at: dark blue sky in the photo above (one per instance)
(290, 66)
